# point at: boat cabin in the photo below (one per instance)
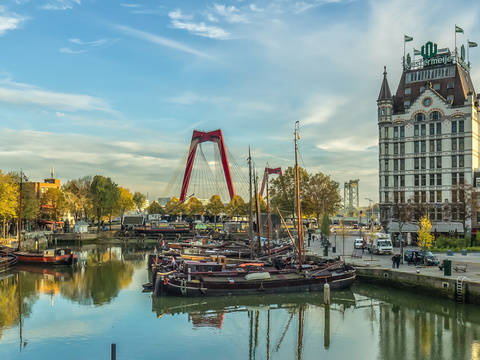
(200, 266)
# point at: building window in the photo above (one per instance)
(402, 131)
(450, 85)
(415, 132)
(454, 161)
(461, 178)
(386, 196)
(435, 115)
(436, 86)
(395, 197)
(420, 117)
(439, 211)
(402, 180)
(402, 196)
(416, 180)
(423, 163)
(461, 162)
(395, 132)
(432, 179)
(423, 130)
(454, 127)
(402, 148)
(416, 197)
(386, 132)
(461, 126)
(383, 111)
(439, 179)
(432, 162)
(461, 144)
(395, 165)
(439, 145)
(416, 163)
(408, 91)
(432, 196)
(439, 128)
(424, 180)
(454, 144)
(402, 164)
(439, 196)
(416, 147)
(432, 129)
(432, 146)
(439, 162)
(386, 148)
(386, 165)
(424, 196)
(395, 181)
(386, 181)
(406, 103)
(422, 89)
(454, 178)
(427, 102)
(395, 148)
(450, 98)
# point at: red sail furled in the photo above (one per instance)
(269, 171)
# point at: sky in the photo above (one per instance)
(117, 87)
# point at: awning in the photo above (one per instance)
(440, 227)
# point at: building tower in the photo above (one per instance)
(429, 142)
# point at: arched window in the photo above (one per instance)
(435, 115)
(420, 117)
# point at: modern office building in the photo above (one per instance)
(429, 138)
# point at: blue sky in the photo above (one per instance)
(116, 87)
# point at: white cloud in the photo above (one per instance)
(231, 13)
(182, 21)
(98, 42)
(24, 94)
(61, 4)
(322, 108)
(254, 8)
(190, 98)
(9, 21)
(162, 41)
(178, 15)
(349, 143)
(67, 50)
(127, 5)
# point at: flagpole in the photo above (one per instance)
(404, 42)
(468, 54)
(455, 43)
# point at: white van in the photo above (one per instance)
(382, 244)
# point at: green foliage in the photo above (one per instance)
(104, 194)
(325, 227)
(236, 207)
(194, 207)
(155, 208)
(283, 193)
(174, 207)
(322, 196)
(53, 203)
(139, 200)
(446, 242)
(77, 194)
(30, 204)
(215, 206)
(124, 201)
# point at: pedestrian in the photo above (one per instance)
(398, 257)
(394, 260)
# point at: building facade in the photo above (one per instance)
(429, 139)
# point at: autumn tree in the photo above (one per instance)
(8, 200)
(194, 207)
(30, 204)
(322, 196)
(425, 238)
(104, 195)
(77, 193)
(215, 207)
(236, 207)
(174, 207)
(139, 200)
(283, 193)
(53, 204)
(125, 201)
(155, 208)
(325, 227)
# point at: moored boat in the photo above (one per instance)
(7, 260)
(48, 257)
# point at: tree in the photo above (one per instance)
(77, 193)
(139, 200)
(174, 207)
(325, 228)
(53, 204)
(104, 195)
(155, 208)
(30, 204)
(425, 238)
(194, 207)
(283, 193)
(215, 207)
(236, 207)
(125, 201)
(8, 200)
(463, 206)
(322, 196)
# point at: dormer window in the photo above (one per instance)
(436, 87)
(422, 89)
(408, 91)
(435, 115)
(383, 111)
(450, 85)
(406, 103)
(450, 98)
(420, 117)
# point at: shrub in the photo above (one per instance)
(445, 242)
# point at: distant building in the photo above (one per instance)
(40, 188)
(163, 200)
(429, 139)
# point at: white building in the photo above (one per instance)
(428, 137)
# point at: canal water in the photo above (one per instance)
(77, 313)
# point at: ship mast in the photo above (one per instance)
(269, 220)
(250, 214)
(20, 212)
(297, 188)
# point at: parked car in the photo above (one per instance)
(381, 245)
(358, 243)
(417, 257)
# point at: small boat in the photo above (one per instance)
(48, 257)
(7, 260)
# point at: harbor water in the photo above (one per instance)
(77, 313)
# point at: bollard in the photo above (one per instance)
(326, 294)
(189, 275)
(326, 331)
(114, 352)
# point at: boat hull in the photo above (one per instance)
(66, 259)
(182, 288)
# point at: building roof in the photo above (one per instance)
(385, 93)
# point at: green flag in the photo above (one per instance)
(407, 38)
(458, 29)
(417, 52)
(472, 44)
